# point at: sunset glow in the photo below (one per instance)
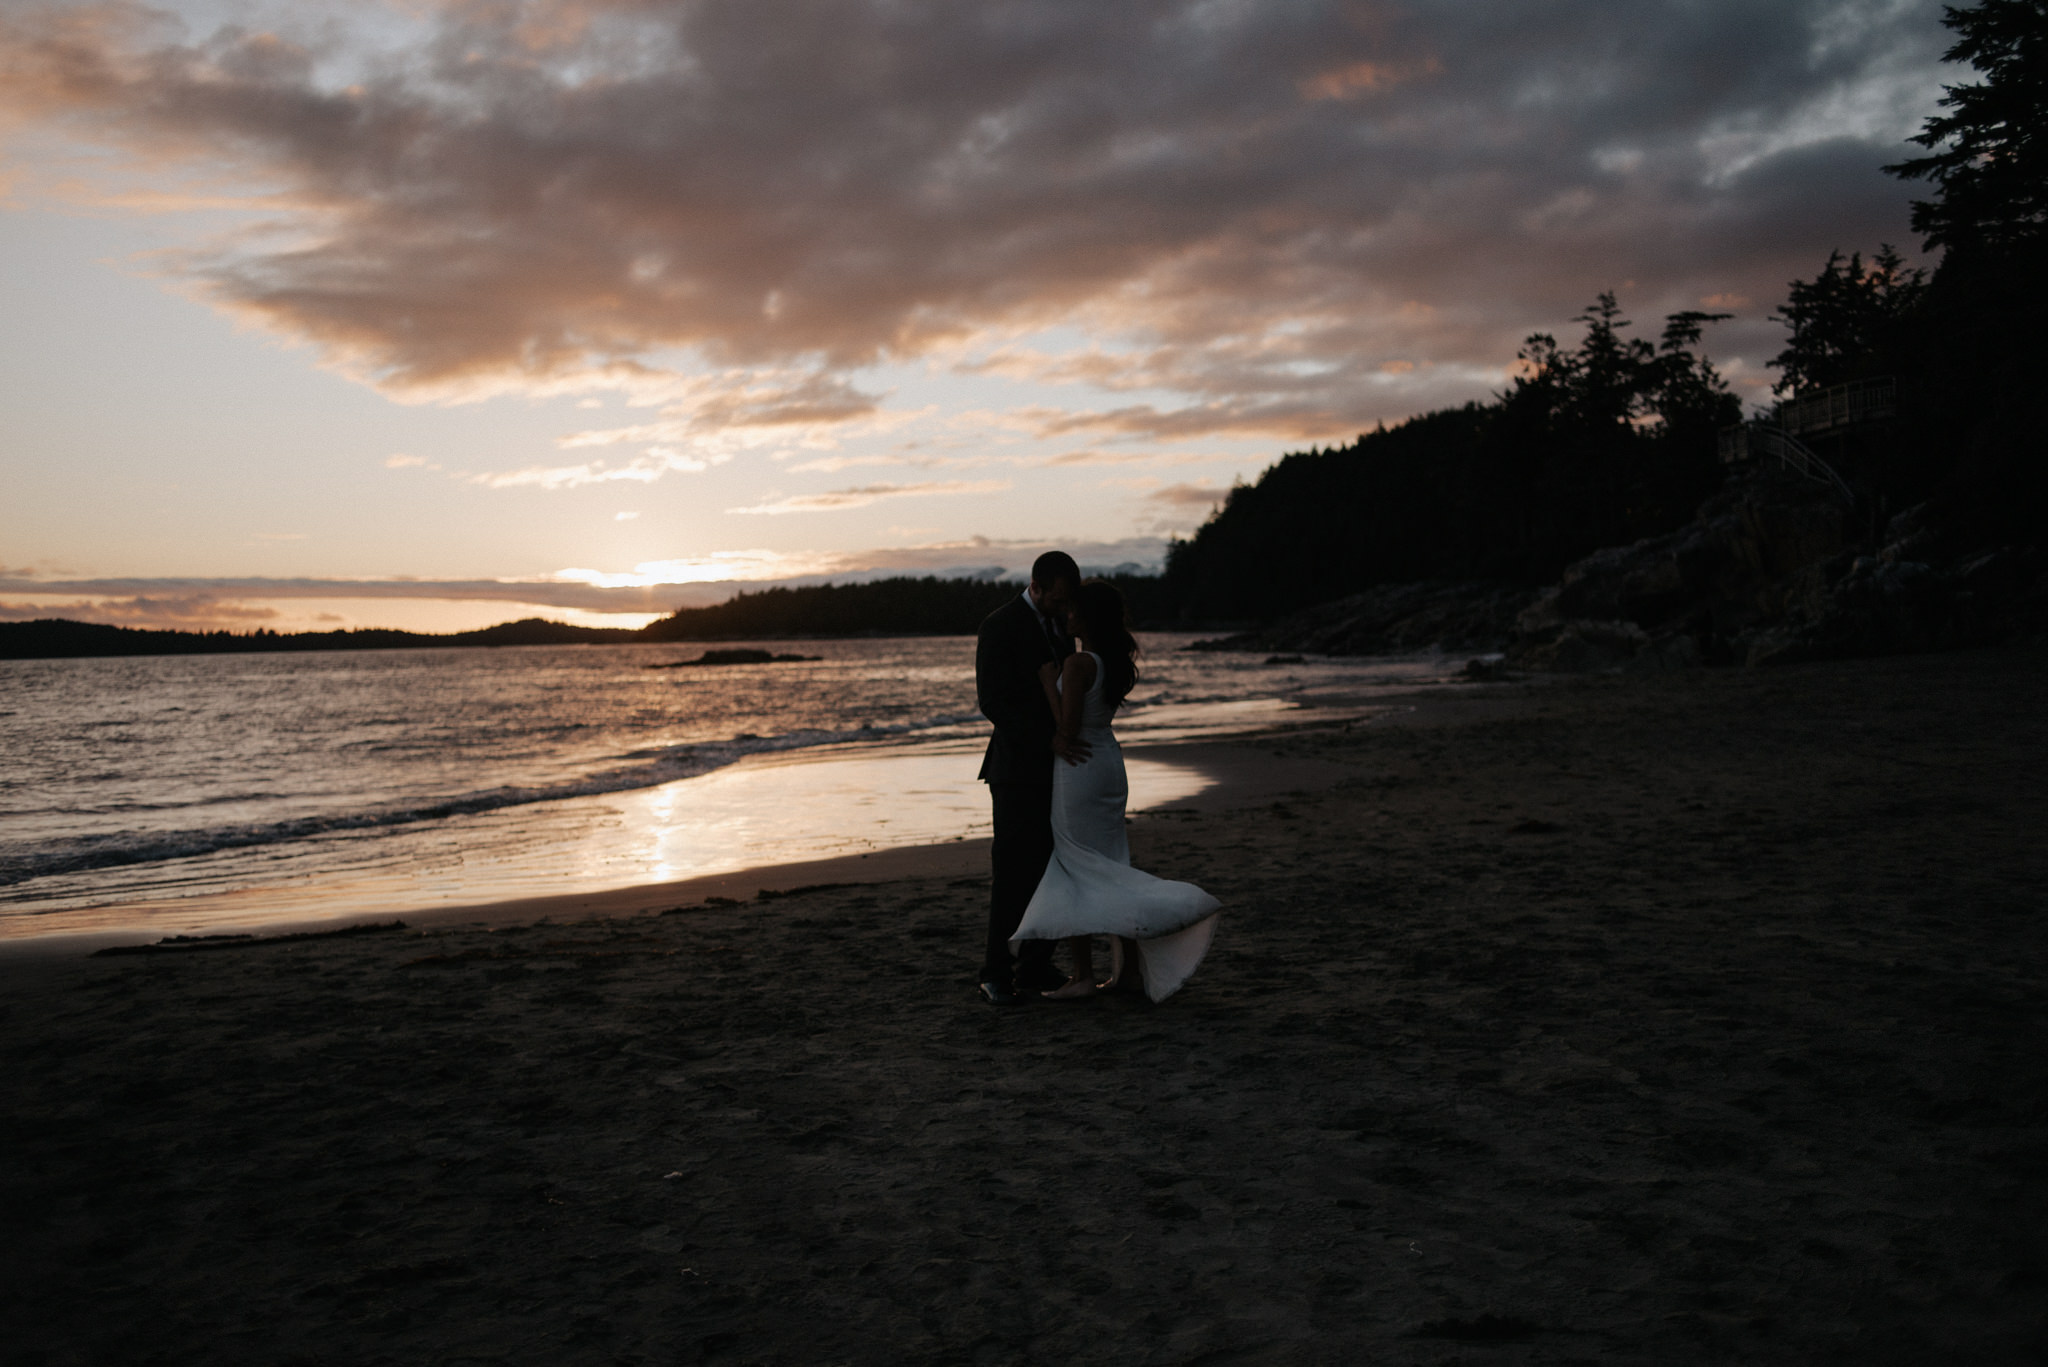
(303, 296)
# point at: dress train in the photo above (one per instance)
(1089, 886)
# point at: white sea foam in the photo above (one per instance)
(113, 848)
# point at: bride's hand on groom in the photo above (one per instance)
(1073, 750)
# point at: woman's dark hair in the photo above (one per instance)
(1101, 610)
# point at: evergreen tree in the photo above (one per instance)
(1614, 385)
(1843, 320)
(1686, 393)
(1989, 158)
(1595, 445)
(1977, 343)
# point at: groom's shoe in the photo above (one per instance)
(998, 993)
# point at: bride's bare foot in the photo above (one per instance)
(1073, 989)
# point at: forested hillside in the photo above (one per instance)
(895, 607)
(1609, 441)
(1615, 440)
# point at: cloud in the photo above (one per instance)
(1094, 456)
(551, 593)
(649, 466)
(1178, 507)
(186, 612)
(401, 462)
(840, 499)
(983, 557)
(1355, 79)
(650, 587)
(750, 406)
(1203, 496)
(832, 465)
(1260, 206)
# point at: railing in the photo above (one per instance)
(1761, 440)
(1840, 405)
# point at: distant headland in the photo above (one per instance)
(905, 606)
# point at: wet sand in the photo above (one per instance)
(1698, 1018)
(834, 801)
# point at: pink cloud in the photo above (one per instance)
(840, 499)
(547, 191)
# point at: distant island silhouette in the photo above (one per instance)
(901, 606)
(740, 656)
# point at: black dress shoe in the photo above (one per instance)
(998, 994)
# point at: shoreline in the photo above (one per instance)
(1235, 767)
(1647, 1020)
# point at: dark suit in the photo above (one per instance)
(1012, 644)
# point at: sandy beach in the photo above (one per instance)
(1692, 1018)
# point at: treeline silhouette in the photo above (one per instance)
(905, 606)
(1614, 440)
(57, 637)
(901, 606)
(1604, 442)
(897, 607)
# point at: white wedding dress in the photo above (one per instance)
(1090, 888)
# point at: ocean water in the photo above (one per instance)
(188, 793)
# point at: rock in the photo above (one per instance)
(1583, 646)
(1768, 574)
(1692, 594)
(1864, 605)
(1769, 571)
(1394, 619)
(1673, 650)
(739, 655)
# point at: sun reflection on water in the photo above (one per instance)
(768, 810)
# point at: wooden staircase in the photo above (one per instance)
(1764, 440)
(1776, 435)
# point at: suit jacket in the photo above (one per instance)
(1008, 650)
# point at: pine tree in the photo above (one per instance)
(1990, 151)
(1843, 319)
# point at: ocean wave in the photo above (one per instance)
(181, 805)
(79, 854)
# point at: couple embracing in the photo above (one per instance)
(1050, 669)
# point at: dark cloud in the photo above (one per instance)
(1295, 217)
(1204, 496)
(1179, 507)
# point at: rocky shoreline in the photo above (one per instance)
(1774, 569)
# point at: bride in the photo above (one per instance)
(1089, 887)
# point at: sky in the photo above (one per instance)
(433, 313)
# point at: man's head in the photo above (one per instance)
(1054, 577)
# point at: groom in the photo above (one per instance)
(1014, 641)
